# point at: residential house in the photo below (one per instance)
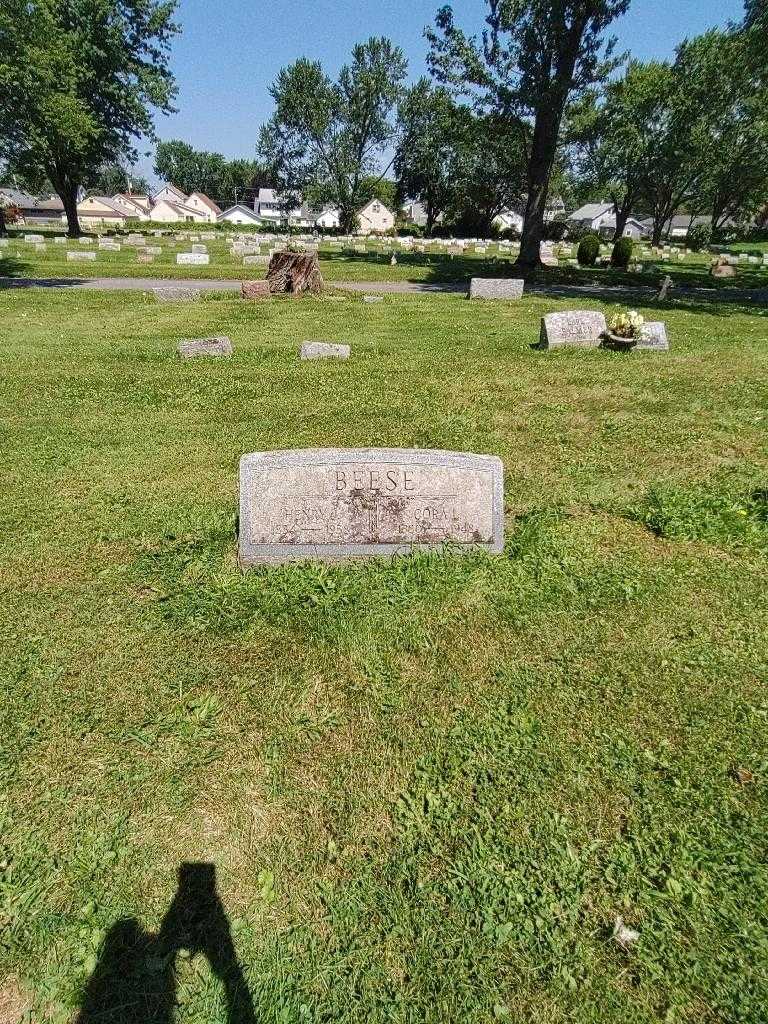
(593, 216)
(167, 212)
(46, 211)
(239, 214)
(206, 207)
(32, 210)
(375, 218)
(328, 218)
(171, 193)
(136, 206)
(269, 206)
(509, 220)
(101, 210)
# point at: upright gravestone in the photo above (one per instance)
(332, 504)
(496, 288)
(581, 327)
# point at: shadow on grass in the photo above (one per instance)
(134, 981)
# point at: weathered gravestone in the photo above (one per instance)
(496, 288)
(323, 350)
(193, 259)
(199, 247)
(175, 294)
(581, 327)
(219, 346)
(144, 257)
(71, 256)
(723, 270)
(60, 239)
(372, 298)
(654, 337)
(34, 238)
(332, 504)
(255, 260)
(255, 290)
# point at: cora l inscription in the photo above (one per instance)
(338, 503)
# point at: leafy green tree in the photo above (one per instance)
(488, 170)
(383, 189)
(534, 57)
(628, 128)
(78, 82)
(192, 170)
(735, 179)
(326, 137)
(112, 178)
(431, 128)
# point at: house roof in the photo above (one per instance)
(18, 198)
(179, 207)
(53, 204)
(171, 187)
(110, 204)
(590, 211)
(207, 202)
(244, 209)
(134, 199)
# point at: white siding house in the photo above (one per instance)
(101, 210)
(240, 214)
(171, 193)
(375, 218)
(329, 218)
(593, 216)
(206, 207)
(166, 212)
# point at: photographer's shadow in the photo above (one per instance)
(134, 981)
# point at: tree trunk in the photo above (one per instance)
(2, 221)
(67, 192)
(541, 160)
(294, 272)
(658, 227)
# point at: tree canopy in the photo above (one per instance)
(191, 170)
(78, 82)
(326, 137)
(534, 56)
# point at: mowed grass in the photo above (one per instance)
(19, 259)
(429, 787)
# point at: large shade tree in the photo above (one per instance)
(79, 80)
(192, 170)
(325, 138)
(432, 129)
(534, 57)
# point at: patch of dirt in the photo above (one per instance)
(13, 1003)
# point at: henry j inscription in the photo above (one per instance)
(340, 503)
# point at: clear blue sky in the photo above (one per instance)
(229, 52)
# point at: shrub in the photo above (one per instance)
(699, 237)
(554, 230)
(589, 250)
(622, 252)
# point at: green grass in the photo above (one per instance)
(429, 787)
(19, 259)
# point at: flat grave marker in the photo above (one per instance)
(323, 350)
(219, 346)
(192, 259)
(583, 328)
(176, 294)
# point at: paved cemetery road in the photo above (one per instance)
(607, 292)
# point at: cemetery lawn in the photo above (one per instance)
(20, 259)
(429, 787)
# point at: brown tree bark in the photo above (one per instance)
(295, 272)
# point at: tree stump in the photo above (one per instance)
(295, 272)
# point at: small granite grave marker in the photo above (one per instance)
(72, 256)
(332, 504)
(323, 350)
(372, 298)
(654, 337)
(255, 260)
(192, 259)
(176, 294)
(255, 290)
(496, 288)
(218, 346)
